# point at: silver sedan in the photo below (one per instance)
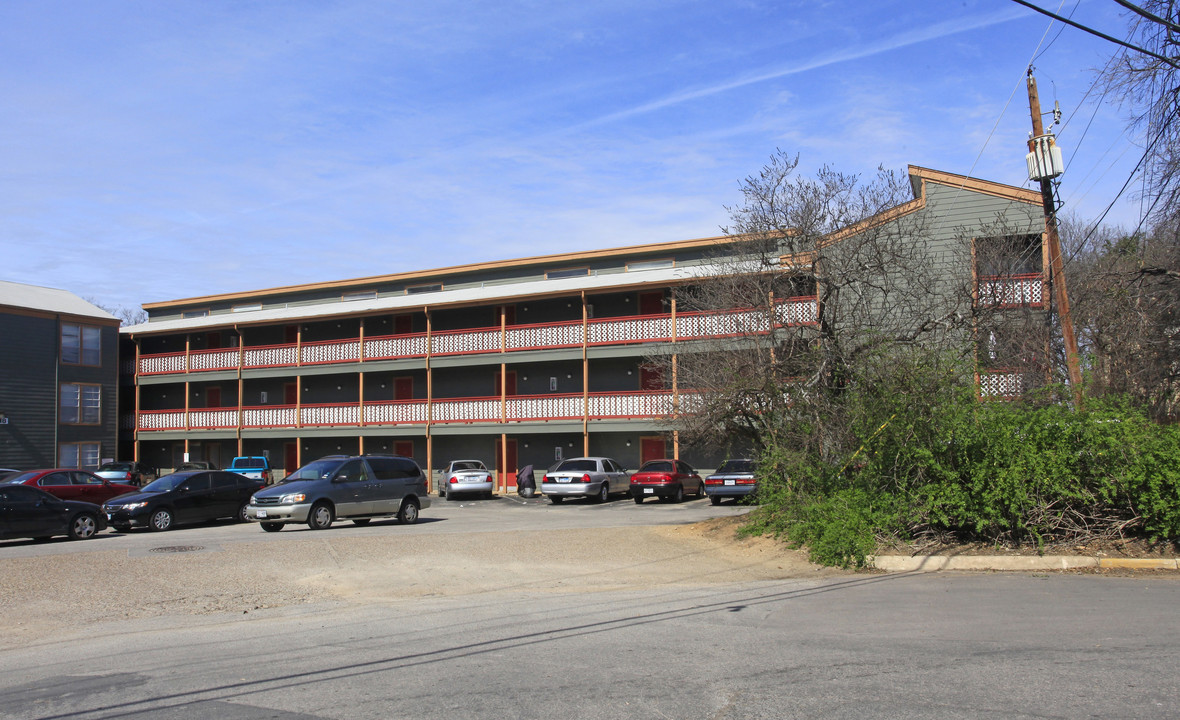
(593, 477)
(465, 476)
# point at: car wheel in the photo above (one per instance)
(408, 515)
(450, 495)
(161, 520)
(604, 494)
(715, 499)
(83, 526)
(679, 496)
(700, 491)
(638, 499)
(242, 517)
(320, 516)
(272, 527)
(361, 521)
(442, 491)
(556, 499)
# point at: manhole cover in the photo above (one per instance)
(177, 548)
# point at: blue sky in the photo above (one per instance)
(160, 150)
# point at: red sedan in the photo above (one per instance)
(666, 479)
(71, 484)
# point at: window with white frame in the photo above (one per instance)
(81, 344)
(80, 404)
(78, 455)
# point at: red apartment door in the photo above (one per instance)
(506, 472)
(405, 448)
(290, 393)
(213, 397)
(650, 378)
(291, 334)
(509, 314)
(651, 448)
(511, 386)
(403, 324)
(403, 388)
(290, 458)
(651, 303)
(212, 341)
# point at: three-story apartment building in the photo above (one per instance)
(514, 362)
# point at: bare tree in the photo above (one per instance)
(128, 316)
(1148, 85)
(1126, 292)
(828, 283)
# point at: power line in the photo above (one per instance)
(1094, 32)
(1149, 15)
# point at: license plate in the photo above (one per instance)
(731, 482)
(260, 513)
(561, 480)
(648, 491)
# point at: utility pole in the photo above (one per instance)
(1044, 164)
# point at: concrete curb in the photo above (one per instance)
(935, 563)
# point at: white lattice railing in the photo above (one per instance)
(395, 346)
(466, 410)
(1026, 290)
(270, 356)
(395, 412)
(200, 360)
(260, 417)
(630, 405)
(530, 337)
(330, 414)
(156, 364)
(458, 342)
(161, 420)
(331, 352)
(798, 311)
(643, 328)
(1000, 384)
(546, 407)
(213, 418)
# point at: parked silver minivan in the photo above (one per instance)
(343, 487)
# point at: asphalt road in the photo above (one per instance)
(832, 646)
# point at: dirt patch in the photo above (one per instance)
(102, 587)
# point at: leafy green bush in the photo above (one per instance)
(926, 457)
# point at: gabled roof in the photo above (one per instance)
(49, 300)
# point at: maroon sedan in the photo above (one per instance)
(666, 479)
(71, 484)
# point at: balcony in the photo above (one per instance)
(520, 408)
(1011, 291)
(593, 333)
(1000, 384)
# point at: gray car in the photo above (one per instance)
(339, 487)
(735, 478)
(593, 477)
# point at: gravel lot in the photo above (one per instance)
(57, 595)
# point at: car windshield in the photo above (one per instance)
(166, 483)
(657, 466)
(318, 470)
(467, 465)
(116, 466)
(17, 479)
(736, 466)
(577, 466)
(249, 462)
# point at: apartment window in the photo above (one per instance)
(81, 344)
(247, 308)
(81, 404)
(368, 295)
(78, 455)
(415, 290)
(567, 273)
(648, 265)
(187, 314)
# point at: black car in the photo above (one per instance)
(183, 497)
(28, 512)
